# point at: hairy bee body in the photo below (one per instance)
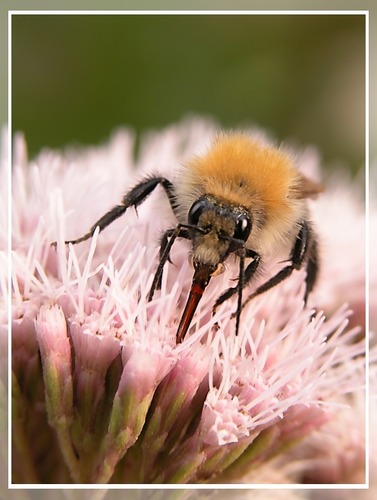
(241, 172)
(241, 197)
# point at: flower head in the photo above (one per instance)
(115, 397)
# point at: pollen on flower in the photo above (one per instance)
(97, 370)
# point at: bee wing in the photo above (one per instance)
(307, 188)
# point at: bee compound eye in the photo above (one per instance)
(196, 210)
(243, 227)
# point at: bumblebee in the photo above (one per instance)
(243, 198)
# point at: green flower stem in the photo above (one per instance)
(253, 454)
(68, 453)
(126, 422)
(91, 391)
(88, 420)
(186, 471)
(21, 444)
(218, 458)
(59, 397)
(182, 465)
(93, 357)
(157, 431)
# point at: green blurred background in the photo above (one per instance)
(76, 78)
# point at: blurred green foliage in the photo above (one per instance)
(75, 78)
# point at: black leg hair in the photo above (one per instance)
(133, 198)
(167, 234)
(245, 275)
(248, 273)
(312, 268)
(179, 232)
(302, 246)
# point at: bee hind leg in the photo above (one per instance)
(303, 251)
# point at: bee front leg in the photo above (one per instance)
(166, 244)
(133, 198)
(244, 277)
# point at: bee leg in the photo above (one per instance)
(165, 238)
(245, 275)
(166, 244)
(133, 198)
(103, 222)
(312, 268)
(303, 244)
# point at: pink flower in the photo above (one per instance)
(96, 365)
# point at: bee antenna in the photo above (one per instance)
(194, 228)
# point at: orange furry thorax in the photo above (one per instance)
(244, 172)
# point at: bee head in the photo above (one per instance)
(219, 229)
